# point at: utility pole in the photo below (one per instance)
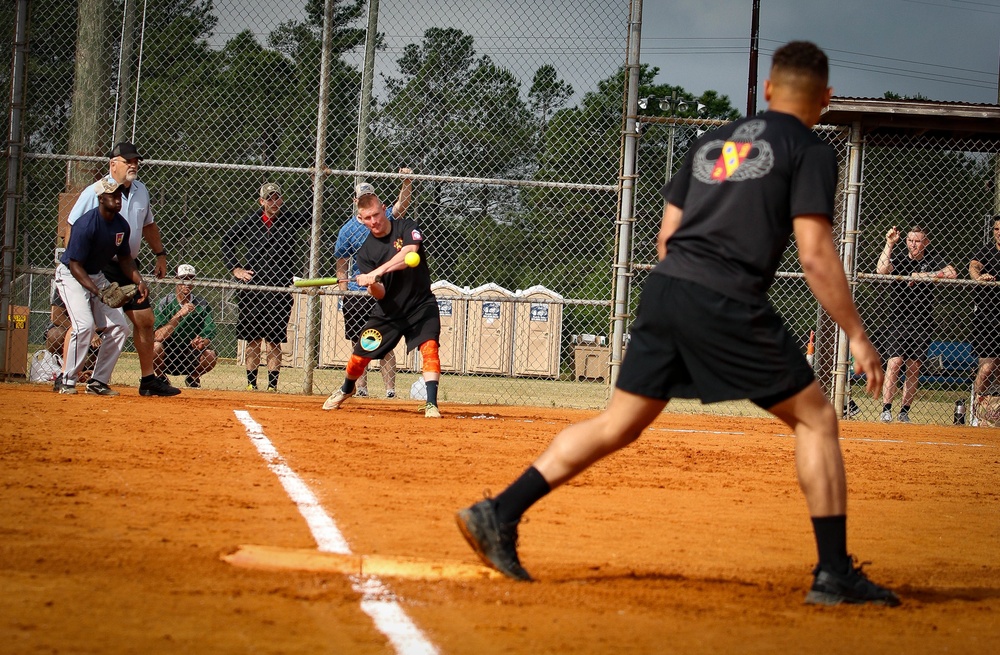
(754, 48)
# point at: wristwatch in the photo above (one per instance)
(162, 253)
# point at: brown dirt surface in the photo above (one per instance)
(117, 511)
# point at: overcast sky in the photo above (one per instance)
(942, 49)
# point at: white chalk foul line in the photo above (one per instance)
(377, 600)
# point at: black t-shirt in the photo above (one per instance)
(740, 187)
(407, 289)
(913, 299)
(988, 297)
(275, 254)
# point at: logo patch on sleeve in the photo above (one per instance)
(119, 237)
(416, 236)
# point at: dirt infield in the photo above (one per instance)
(117, 512)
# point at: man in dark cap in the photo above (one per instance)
(136, 209)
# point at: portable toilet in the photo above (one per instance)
(452, 306)
(537, 333)
(490, 330)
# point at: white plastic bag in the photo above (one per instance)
(418, 390)
(44, 366)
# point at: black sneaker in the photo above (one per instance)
(99, 388)
(57, 383)
(853, 587)
(158, 386)
(495, 544)
(193, 382)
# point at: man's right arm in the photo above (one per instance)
(825, 275)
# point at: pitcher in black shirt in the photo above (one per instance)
(705, 328)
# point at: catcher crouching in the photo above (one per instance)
(91, 302)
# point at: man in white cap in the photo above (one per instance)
(136, 209)
(357, 308)
(184, 329)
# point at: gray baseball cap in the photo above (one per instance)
(364, 189)
(269, 188)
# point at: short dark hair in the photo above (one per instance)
(368, 200)
(802, 58)
(921, 229)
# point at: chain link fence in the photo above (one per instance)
(510, 114)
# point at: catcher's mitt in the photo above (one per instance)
(116, 296)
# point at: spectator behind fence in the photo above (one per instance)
(985, 267)
(184, 332)
(357, 309)
(270, 245)
(911, 308)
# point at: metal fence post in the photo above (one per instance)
(14, 150)
(313, 302)
(623, 264)
(841, 370)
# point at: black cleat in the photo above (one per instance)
(853, 587)
(100, 389)
(158, 386)
(495, 544)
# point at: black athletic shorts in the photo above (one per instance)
(381, 334)
(689, 341)
(356, 310)
(179, 358)
(909, 338)
(113, 273)
(263, 315)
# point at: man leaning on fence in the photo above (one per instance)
(985, 267)
(911, 310)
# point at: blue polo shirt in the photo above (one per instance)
(135, 210)
(349, 241)
(95, 242)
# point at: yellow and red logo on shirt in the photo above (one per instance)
(743, 156)
(733, 154)
(119, 237)
(398, 244)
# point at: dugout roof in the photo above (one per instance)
(916, 117)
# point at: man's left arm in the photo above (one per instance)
(151, 234)
(825, 275)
